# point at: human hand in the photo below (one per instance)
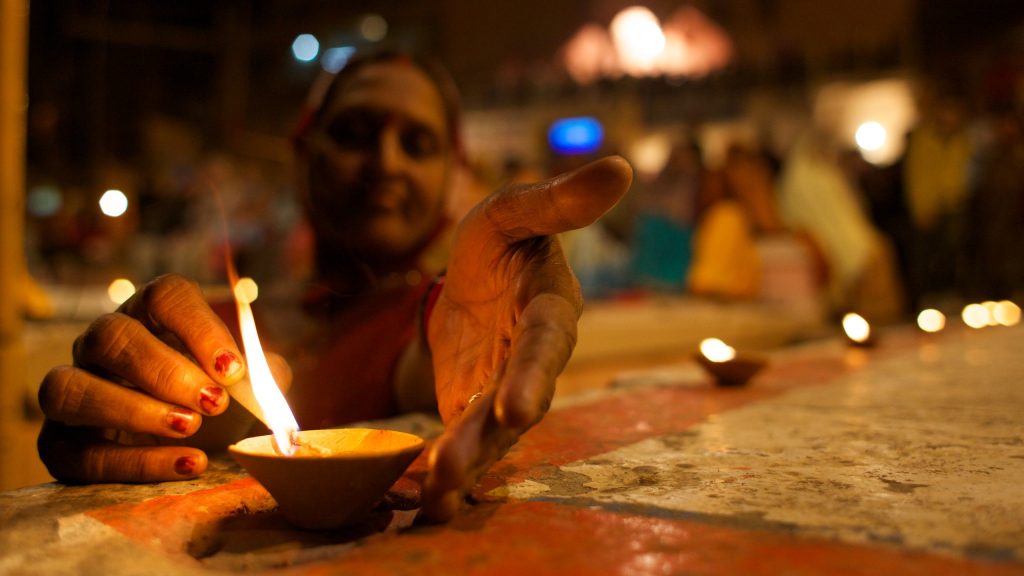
(151, 368)
(504, 325)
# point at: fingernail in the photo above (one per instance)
(185, 466)
(227, 364)
(179, 419)
(210, 398)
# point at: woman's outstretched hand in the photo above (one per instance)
(504, 325)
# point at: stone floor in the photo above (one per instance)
(905, 458)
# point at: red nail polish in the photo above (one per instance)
(180, 419)
(185, 466)
(226, 363)
(210, 398)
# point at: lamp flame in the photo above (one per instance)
(856, 327)
(278, 415)
(717, 351)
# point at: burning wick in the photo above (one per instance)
(717, 351)
(857, 329)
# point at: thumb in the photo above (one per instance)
(566, 202)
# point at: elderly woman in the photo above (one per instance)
(376, 331)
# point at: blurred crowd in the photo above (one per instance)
(821, 230)
(815, 228)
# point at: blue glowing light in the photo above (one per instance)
(580, 135)
(305, 47)
(334, 59)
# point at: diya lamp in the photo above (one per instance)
(931, 321)
(726, 366)
(321, 479)
(858, 331)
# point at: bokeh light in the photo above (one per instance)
(931, 320)
(639, 40)
(373, 27)
(1006, 313)
(246, 290)
(870, 136)
(990, 306)
(120, 290)
(856, 327)
(334, 59)
(113, 203)
(580, 135)
(717, 351)
(976, 316)
(43, 201)
(305, 47)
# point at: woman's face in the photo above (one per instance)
(380, 163)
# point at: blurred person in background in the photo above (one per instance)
(665, 211)
(817, 199)
(371, 334)
(936, 172)
(726, 264)
(995, 214)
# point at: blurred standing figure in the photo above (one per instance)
(936, 180)
(817, 199)
(996, 214)
(665, 212)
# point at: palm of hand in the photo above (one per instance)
(504, 325)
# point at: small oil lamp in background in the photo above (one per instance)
(858, 331)
(726, 366)
(321, 479)
(931, 321)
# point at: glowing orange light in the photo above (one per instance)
(931, 320)
(1006, 313)
(856, 327)
(717, 351)
(120, 290)
(976, 316)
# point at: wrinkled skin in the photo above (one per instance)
(504, 325)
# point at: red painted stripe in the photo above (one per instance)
(171, 522)
(539, 538)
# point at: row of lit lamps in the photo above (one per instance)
(975, 315)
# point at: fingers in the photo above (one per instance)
(78, 398)
(120, 346)
(463, 453)
(175, 304)
(565, 202)
(542, 344)
(74, 455)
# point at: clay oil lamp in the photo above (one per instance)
(858, 331)
(727, 367)
(931, 321)
(321, 479)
